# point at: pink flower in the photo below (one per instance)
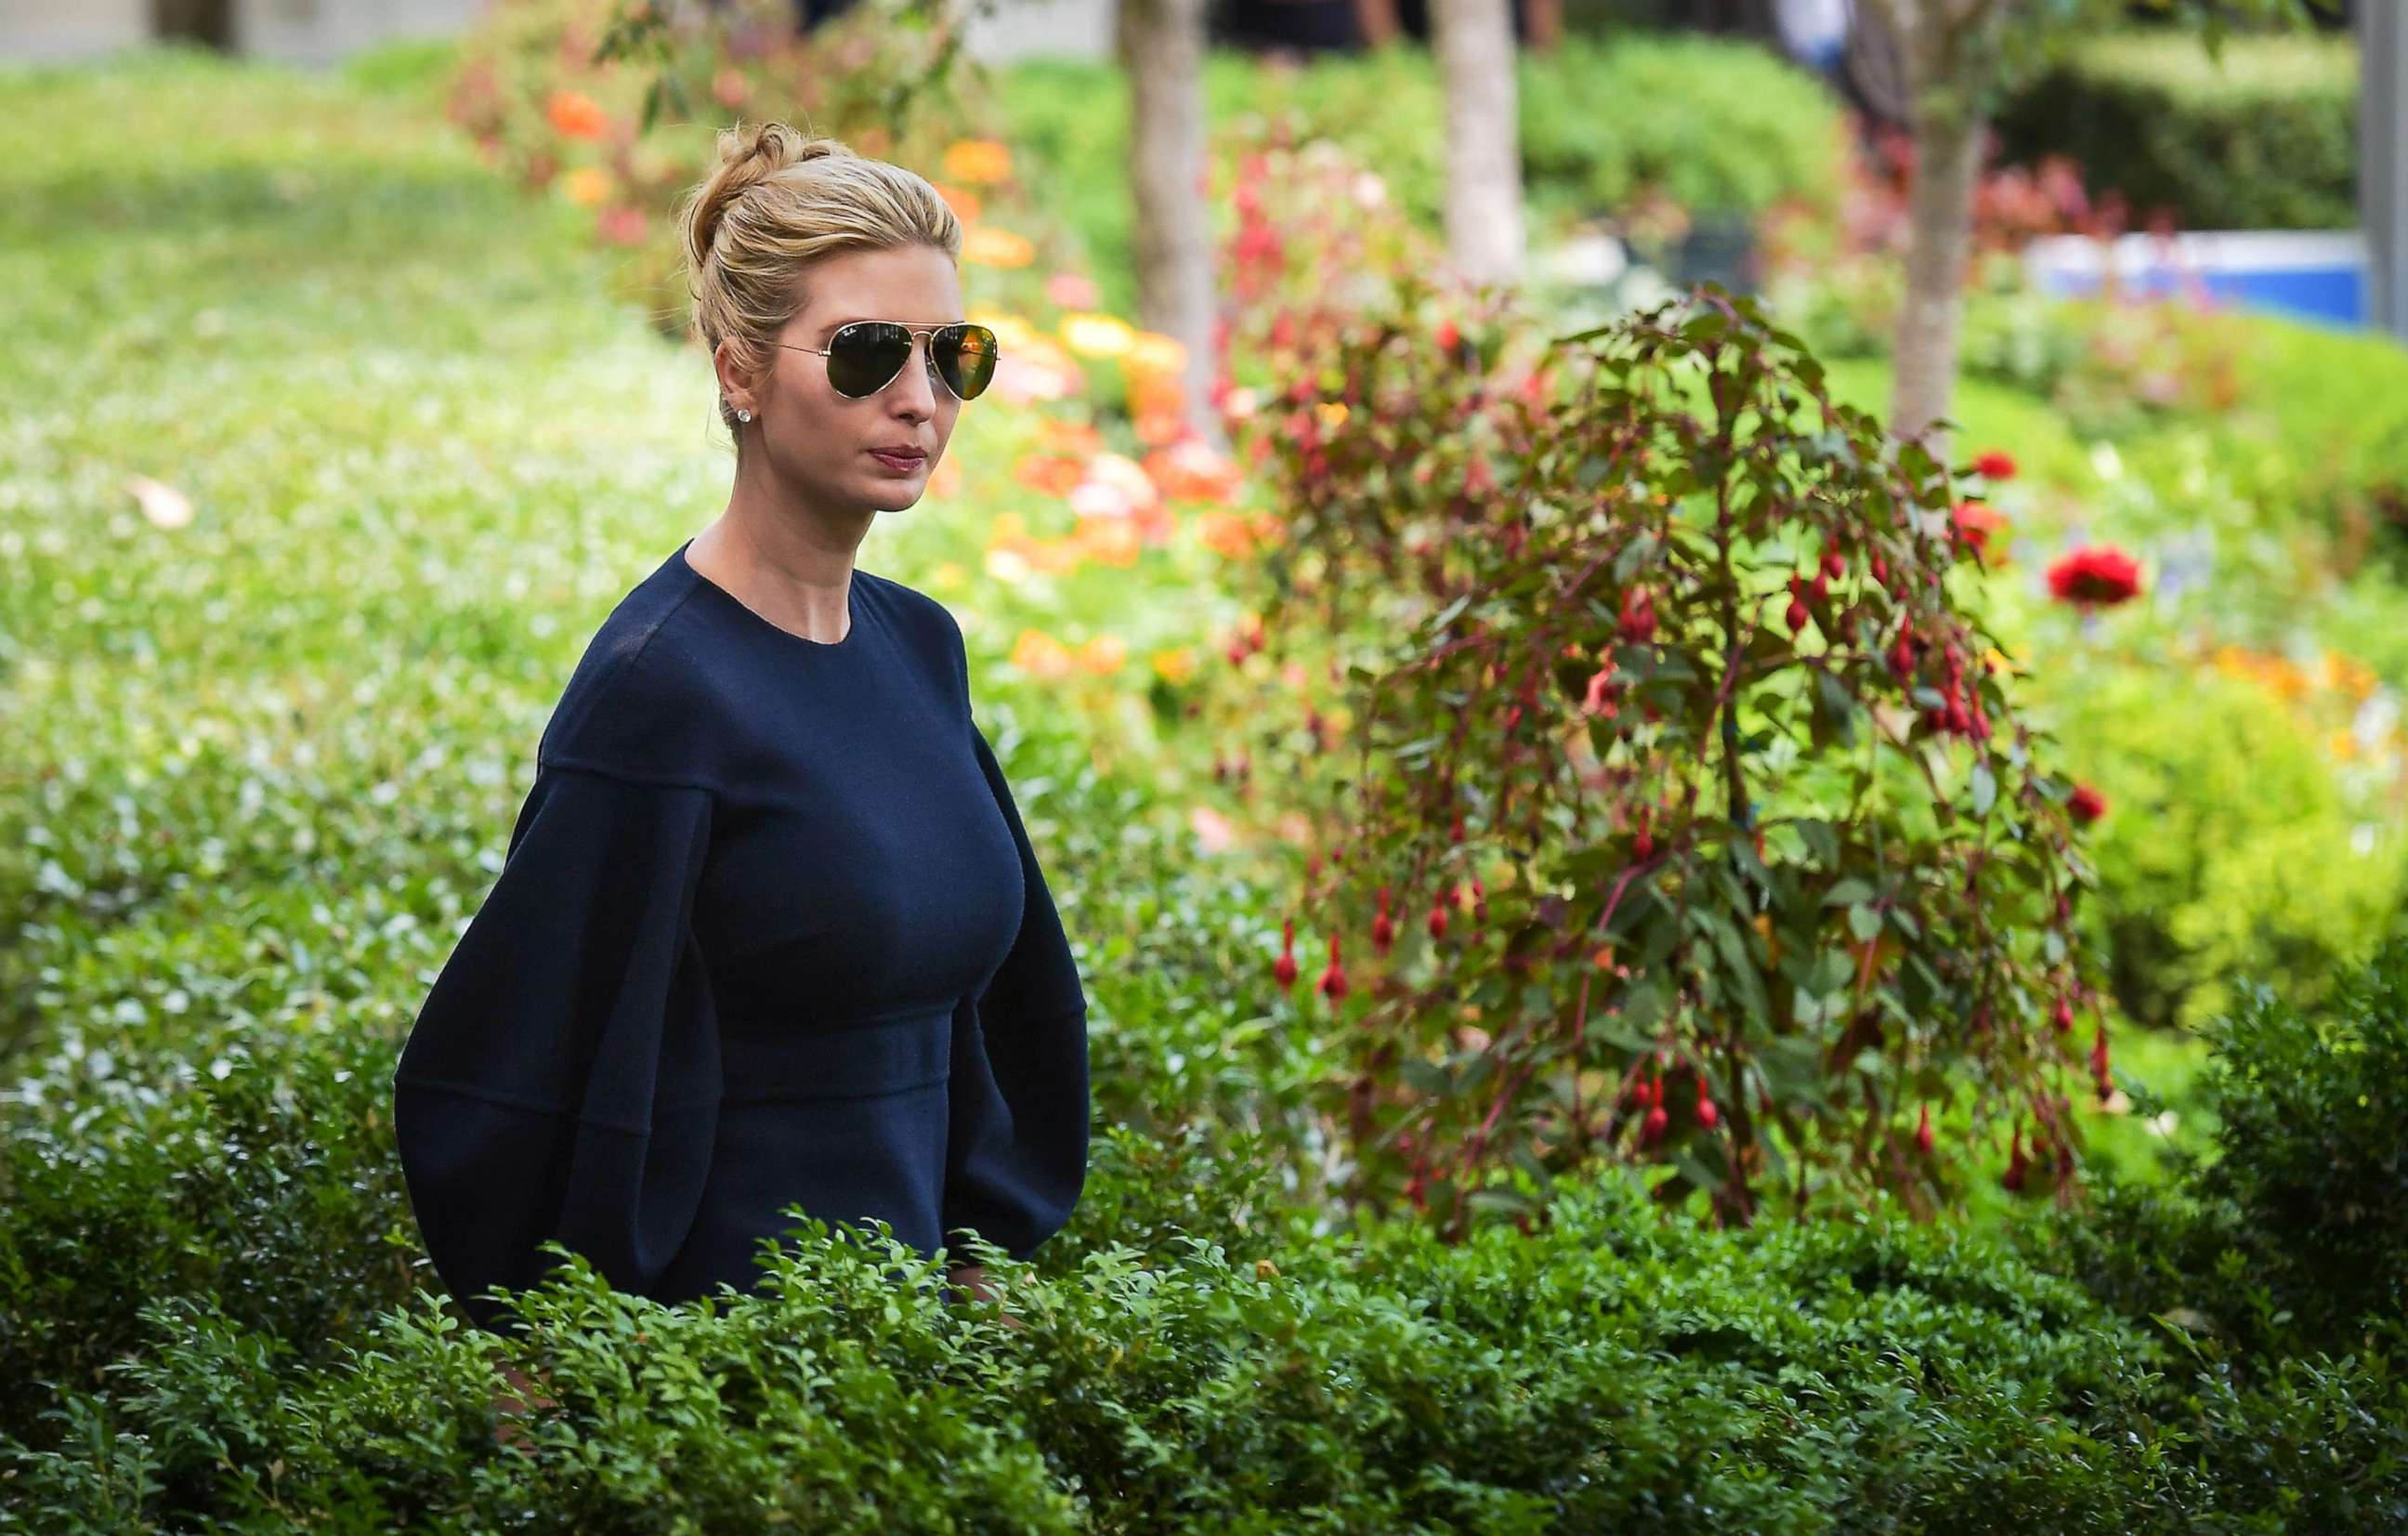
(1995, 463)
(1072, 291)
(2096, 575)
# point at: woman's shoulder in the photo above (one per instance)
(642, 700)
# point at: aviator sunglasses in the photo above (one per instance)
(866, 355)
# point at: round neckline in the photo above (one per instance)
(852, 608)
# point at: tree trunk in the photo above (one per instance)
(1160, 45)
(1474, 43)
(1944, 76)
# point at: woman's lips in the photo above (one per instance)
(897, 463)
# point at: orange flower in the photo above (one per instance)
(964, 202)
(1103, 656)
(1040, 654)
(577, 115)
(1056, 474)
(1226, 534)
(587, 185)
(988, 246)
(1108, 540)
(985, 161)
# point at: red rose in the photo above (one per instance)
(2098, 575)
(2085, 804)
(1995, 463)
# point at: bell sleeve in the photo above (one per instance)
(1016, 1146)
(561, 1079)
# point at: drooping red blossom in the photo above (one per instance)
(2013, 1177)
(1437, 918)
(2085, 804)
(1333, 979)
(1923, 1132)
(1637, 616)
(1599, 701)
(1995, 463)
(1283, 969)
(1384, 932)
(2095, 576)
(1652, 1130)
(2099, 1063)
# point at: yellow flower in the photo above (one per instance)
(1009, 329)
(1175, 666)
(1096, 335)
(989, 246)
(1153, 353)
(1333, 413)
(1007, 566)
(982, 161)
(587, 185)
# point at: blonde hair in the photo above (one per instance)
(775, 203)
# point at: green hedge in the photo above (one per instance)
(1868, 1374)
(2266, 141)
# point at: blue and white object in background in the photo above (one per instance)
(2312, 275)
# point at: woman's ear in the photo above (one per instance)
(734, 383)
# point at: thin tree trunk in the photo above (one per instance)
(1160, 45)
(1474, 43)
(1946, 74)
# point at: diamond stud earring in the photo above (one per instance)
(743, 415)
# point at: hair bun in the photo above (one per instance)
(748, 155)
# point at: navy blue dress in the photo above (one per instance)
(768, 932)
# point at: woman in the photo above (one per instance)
(769, 930)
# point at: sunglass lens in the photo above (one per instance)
(864, 357)
(965, 355)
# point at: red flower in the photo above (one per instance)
(1995, 463)
(1283, 969)
(1974, 522)
(2097, 575)
(1923, 1132)
(2085, 804)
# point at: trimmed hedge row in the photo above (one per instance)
(2266, 140)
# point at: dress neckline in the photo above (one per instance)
(852, 605)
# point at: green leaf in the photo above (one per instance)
(1847, 893)
(1864, 923)
(1986, 788)
(1836, 705)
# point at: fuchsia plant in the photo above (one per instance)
(1648, 681)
